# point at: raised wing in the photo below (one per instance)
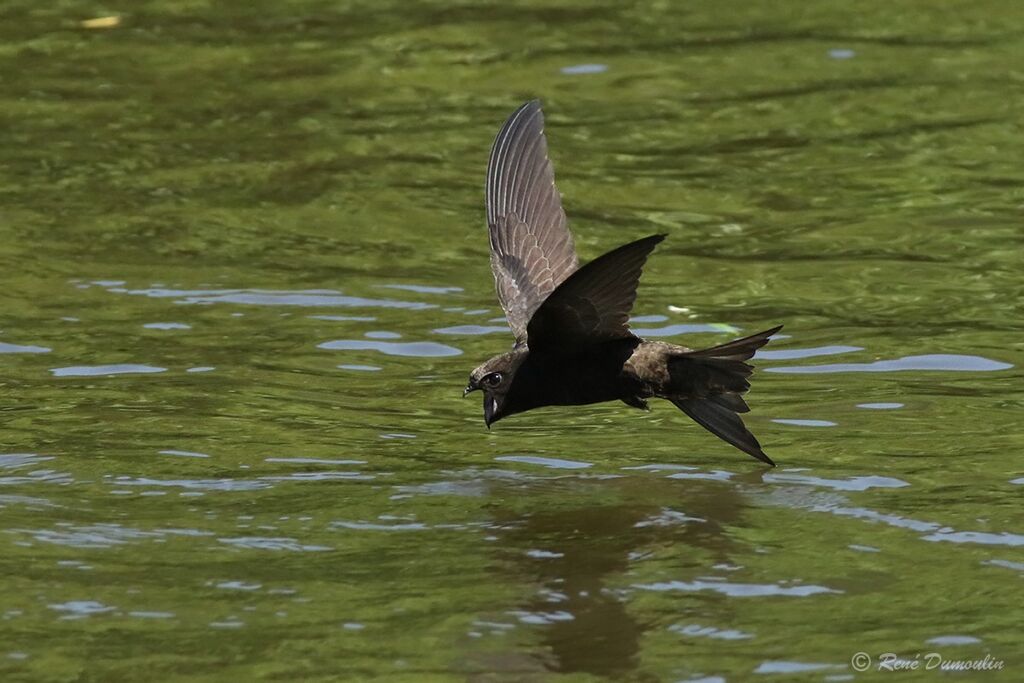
(593, 304)
(531, 248)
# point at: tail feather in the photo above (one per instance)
(709, 383)
(733, 402)
(737, 349)
(723, 423)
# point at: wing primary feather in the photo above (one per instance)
(531, 248)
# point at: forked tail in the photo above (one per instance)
(711, 381)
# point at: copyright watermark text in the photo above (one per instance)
(922, 661)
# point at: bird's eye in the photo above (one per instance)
(493, 379)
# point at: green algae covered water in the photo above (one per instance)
(243, 278)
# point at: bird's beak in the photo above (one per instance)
(490, 409)
(469, 388)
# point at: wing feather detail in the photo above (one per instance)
(593, 304)
(532, 250)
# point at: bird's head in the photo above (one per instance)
(494, 378)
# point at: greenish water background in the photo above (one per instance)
(269, 218)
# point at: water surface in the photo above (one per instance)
(245, 276)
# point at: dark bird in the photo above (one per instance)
(573, 344)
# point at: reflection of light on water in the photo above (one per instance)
(941, 361)
(738, 590)
(980, 537)
(932, 531)
(473, 330)
(698, 631)
(316, 461)
(376, 526)
(185, 454)
(880, 406)
(666, 518)
(714, 475)
(793, 667)
(152, 615)
(850, 484)
(320, 476)
(681, 328)
(359, 368)
(239, 586)
(805, 423)
(554, 463)
(413, 349)
(167, 326)
(340, 318)
(102, 535)
(265, 297)
(12, 461)
(953, 640)
(424, 289)
(105, 370)
(790, 354)
(78, 609)
(18, 348)
(285, 544)
(583, 69)
(196, 484)
(1007, 564)
(541, 618)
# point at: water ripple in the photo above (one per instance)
(13, 461)
(376, 526)
(266, 297)
(737, 590)
(413, 349)
(805, 423)
(791, 354)
(953, 640)
(698, 631)
(681, 328)
(105, 370)
(583, 69)
(18, 348)
(315, 461)
(850, 484)
(714, 475)
(666, 518)
(320, 476)
(102, 535)
(38, 477)
(424, 289)
(554, 463)
(167, 326)
(473, 330)
(260, 543)
(979, 537)
(184, 454)
(196, 484)
(81, 608)
(784, 667)
(942, 361)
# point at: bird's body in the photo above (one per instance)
(573, 343)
